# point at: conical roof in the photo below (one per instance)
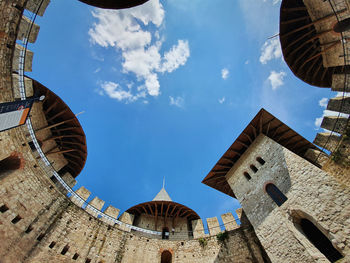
(162, 196)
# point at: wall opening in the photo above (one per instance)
(29, 229)
(277, 196)
(16, 219)
(3, 208)
(40, 237)
(9, 165)
(247, 176)
(342, 26)
(75, 257)
(253, 168)
(88, 260)
(260, 160)
(165, 233)
(166, 257)
(319, 240)
(65, 250)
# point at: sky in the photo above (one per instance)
(166, 88)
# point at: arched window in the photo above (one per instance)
(8, 165)
(247, 176)
(277, 196)
(166, 257)
(254, 169)
(165, 233)
(260, 160)
(319, 240)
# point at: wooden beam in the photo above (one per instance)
(261, 122)
(247, 135)
(161, 209)
(78, 156)
(73, 143)
(172, 211)
(62, 136)
(289, 138)
(50, 107)
(62, 151)
(299, 38)
(276, 129)
(295, 20)
(166, 212)
(254, 130)
(294, 9)
(323, 52)
(280, 135)
(65, 129)
(150, 208)
(144, 209)
(228, 159)
(55, 125)
(58, 114)
(224, 165)
(236, 152)
(242, 143)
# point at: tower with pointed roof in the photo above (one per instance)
(164, 215)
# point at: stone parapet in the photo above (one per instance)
(198, 228)
(96, 203)
(327, 140)
(112, 212)
(339, 104)
(24, 26)
(69, 179)
(213, 226)
(229, 221)
(341, 82)
(316, 156)
(127, 219)
(83, 193)
(334, 123)
(28, 59)
(35, 6)
(28, 84)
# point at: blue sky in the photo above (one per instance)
(166, 88)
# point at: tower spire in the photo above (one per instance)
(164, 182)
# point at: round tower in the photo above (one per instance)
(114, 4)
(163, 215)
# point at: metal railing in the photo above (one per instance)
(44, 162)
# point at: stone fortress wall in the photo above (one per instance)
(40, 224)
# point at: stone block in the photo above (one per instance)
(341, 82)
(213, 226)
(69, 179)
(83, 193)
(35, 6)
(316, 156)
(112, 212)
(28, 59)
(198, 228)
(333, 123)
(96, 203)
(127, 219)
(327, 141)
(24, 27)
(229, 221)
(339, 104)
(239, 213)
(28, 84)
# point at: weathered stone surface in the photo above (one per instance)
(96, 203)
(83, 193)
(127, 219)
(310, 192)
(24, 27)
(28, 84)
(229, 221)
(341, 82)
(28, 59)
(37, 6)
(198, 228)
(213, 226)
(327, 141)
(316, 156)
(334, 123)
(339, 104)
(69, 179)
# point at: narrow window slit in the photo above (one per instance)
(87, 260)
(29, 229)
(52, 244)
(247, 176)
(3, 208)
(75, 257)
(65, 250)
(276, 195)
(253, 168)
(260, 160)
(40, 237)
(16, 219)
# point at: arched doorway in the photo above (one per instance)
(277, 196)
(166, 257)
(319, 240)
(9, 165)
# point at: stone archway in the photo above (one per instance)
(166, 257)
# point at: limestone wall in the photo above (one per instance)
(311, 193)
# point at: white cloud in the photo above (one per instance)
(178, 101)
(114, 91)
(270, 50)
(97, 70)
(222, 100)
(323, 102)
(246, 62)
(276, 79)
(274, 2)
(225, 73)
(130, 32)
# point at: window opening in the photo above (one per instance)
(165, 233)
(319, 240)
(75, 257)
(40, 237)
(260, 160)
(277, 196)
(253, 168)
(88, 260)
(29, 229)
(8, 165)
(64, 250)
(16, 219)
(247, 176)
(3, 208)
(53, 243)
(166, 257)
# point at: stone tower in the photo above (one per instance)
(299, 212)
